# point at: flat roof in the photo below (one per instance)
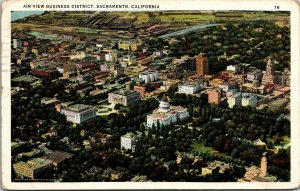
(189, 84)
(149, 72)
(25, 78)
(34, 164)
(79, 107)
(279, 102)
(129, 135)
(57, 156)
(125, 92)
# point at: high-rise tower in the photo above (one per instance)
(263, 166)
(201, 65)
(270, 76)
(270, 69)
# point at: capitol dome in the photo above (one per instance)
(164, 105)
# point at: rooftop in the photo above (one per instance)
(279, 102)
(236, 95)
(34, 164)
(79, 107)
(124, 92)
(189, 85)
(129, 135)
(57, 156)
(149, 72)
(248, 95)
(25, 78)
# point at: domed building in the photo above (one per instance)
(166, 114)
(164, 105)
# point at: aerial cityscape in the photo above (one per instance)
(165, 96)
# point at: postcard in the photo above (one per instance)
(150, 94)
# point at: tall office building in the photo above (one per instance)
(201, 65)
(270, 68)
(269, 76)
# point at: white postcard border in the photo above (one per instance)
(268, 5)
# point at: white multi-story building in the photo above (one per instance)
(235, 99)
(242, 99)
(166, 114)
(187, 88)
(149, 76)
(124, 97)
(235, 68)
(111, 57)
(17, 43)
(128, 140)
(254, 75)
(227, 86)
(249, 99)
(79, 113)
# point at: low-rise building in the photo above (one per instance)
(149, 76)
(234, 68)
(214, 165)
(78, 56)
(249, 99)
(129, 60)
(27, 79)
(242, 99)
(226, 86)
(285, 77)
(57, 157)
(169, 84)
(124, 97)
(45, 72)
(17, 43)
(216, 82)
(132, 45)
(134, 70)
(279, 103)
(33, 169)
(214, 96)
(188, 88)
(235, 99)
(79, 113)
(141, 89)
(254, 75)
(128, 140)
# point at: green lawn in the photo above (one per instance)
(201, 148)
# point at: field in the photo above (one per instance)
(68, 19)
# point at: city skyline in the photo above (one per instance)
(151, 96)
